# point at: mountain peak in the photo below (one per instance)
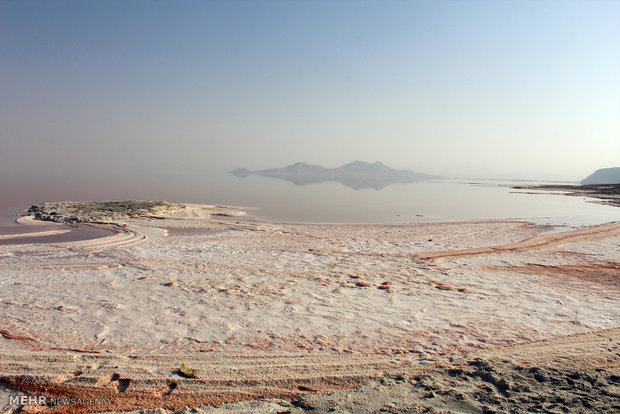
(364, 166)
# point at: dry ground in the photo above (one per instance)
(461, 317)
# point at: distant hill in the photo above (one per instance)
(357, 174)
(604, 176)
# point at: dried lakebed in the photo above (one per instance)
(299, 314)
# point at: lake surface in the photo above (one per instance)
(442, 200)
(329, 202)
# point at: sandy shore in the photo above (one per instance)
(290, 317)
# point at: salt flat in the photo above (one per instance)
(205, 283)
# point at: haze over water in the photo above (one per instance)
(332, 202)
(147, 90)
(424, 201)
(158, 100)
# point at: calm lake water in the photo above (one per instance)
(443, 200)
(332, 202)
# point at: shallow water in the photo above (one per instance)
(332, 202)
(440, 200)
(78, 233)
(9, 226)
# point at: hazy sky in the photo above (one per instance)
(527, 89)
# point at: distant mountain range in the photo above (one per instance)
(603, 176)
(357, 174)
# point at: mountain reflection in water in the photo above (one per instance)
(357, 175)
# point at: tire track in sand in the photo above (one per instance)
(133, 382)
(122, 237)
(533, 243)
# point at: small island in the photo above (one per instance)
(358, 175)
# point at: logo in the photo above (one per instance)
(42, 400)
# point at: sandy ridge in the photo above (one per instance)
(532, 243)
(536, 242)
(122, 237)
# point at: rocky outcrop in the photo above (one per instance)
(115, 211)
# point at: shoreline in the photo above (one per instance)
(236, 212)
(59, 233)
(606, 194)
